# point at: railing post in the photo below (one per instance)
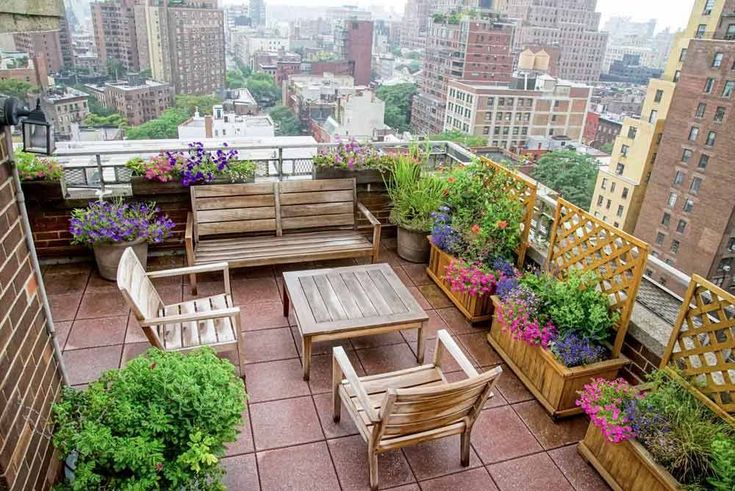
(280, 163)
(98, 157)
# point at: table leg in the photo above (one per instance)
(306, 354)
(420, 345)
(286, 302)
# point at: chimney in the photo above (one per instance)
(208, 126)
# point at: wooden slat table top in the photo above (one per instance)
(350, 298)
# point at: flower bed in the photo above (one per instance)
(40, 177)
(658, 438)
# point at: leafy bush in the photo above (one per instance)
(34, 168)
(723, 464)
(415, 196)
(160, 423)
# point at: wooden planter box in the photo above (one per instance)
(553, 384)
(475, 309)
(362, 176)
(144, 187)
(40, 191)
(626, 465)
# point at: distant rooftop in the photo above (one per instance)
(126, 85)
(58, 95)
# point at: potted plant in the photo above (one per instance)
(415, 197)
(656, 437)
(555, 334)
(161, 422)
(111, 226)
(41, 178)
(352, 160)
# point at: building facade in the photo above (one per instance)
(630, 70)
(473, 49)
(355, 40)
(415, 24)
(601, 129)
(508, 115)
(140, 101)
(256, 12)
(571, 25)
(360, 116)
(116, 34)
(45, 44)
(67, 107)
(688, 213)
(226, 124)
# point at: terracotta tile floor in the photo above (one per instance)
(288, 441)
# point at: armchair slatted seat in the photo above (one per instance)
(411, 406)
(212, 321)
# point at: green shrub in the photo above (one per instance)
(31, 167)
(723, 464)
(415, 196)
(160, 423)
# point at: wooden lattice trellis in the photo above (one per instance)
(525, 191)
(702, 346)
(582, 242)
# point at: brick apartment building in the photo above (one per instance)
(139, 101)
(472, 49)
(116, 34)
(688, 213)
(356, 38)
(601, 130)
(46, 44)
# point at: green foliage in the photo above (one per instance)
(31, 167)
(190, 103)
(607, 148)
(16, 88)
(263, 88)
(286, 122)
(397, 100)
(114, 119)
(415, 196)
(235, 79)
(95, 106)
(569, 173)
(463, 139)
(115, 69)
(723, 464)
(160, 423)
(574, 305)
(165, 126)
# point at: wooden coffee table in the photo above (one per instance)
(349, 302)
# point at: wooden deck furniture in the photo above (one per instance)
(276, 223)
(411, 406)
(349, 302)
(210, 321)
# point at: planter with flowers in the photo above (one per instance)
(475, 236)
(350, 159)
(109, 227)
(41, 178)
(557, 332)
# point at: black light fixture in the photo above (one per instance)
(38, 135)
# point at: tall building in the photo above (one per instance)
(415, 24)
(116, 34)
(475, 49)
(571, 25)
(45, 44)
(66, 107)
(138, 100)
(620, 189)
(187, 45)
(688, 213)
(257, 13)
(355, 40)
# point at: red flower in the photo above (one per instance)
(476, 229)
(502, 224)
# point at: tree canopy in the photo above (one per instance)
(263, 88)
(166, 125)
(16, 88)
(96, 121)
(397, 104)
(571, 174)
(462, 138)
(286, 122)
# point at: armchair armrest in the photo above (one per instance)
(201, 268)
(445, 342)
(193, 317)
(341, 366)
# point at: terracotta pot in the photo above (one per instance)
(413, 246)
(108, 256)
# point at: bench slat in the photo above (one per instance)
(316, 185)
(230, 202)
(317, 197)
(216, 190)
(317, 209)
(318, 221)
(228, 215)
(239, 226)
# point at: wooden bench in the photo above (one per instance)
(268, 223)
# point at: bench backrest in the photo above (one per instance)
(432, 409)
(273, 207)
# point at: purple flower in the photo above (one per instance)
(573, 350)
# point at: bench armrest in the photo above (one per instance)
(445, 342)
(341, 366)
(196, 316)
(370, 217)
(376, 229)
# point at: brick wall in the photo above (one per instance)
(29, 375)
(642, 360)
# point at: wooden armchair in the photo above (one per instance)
(411, 406)
(210, 321)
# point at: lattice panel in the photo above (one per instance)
(581, 241)
(524, 190)
(702, 344)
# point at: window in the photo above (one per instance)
(686, 155)
(730, 31)
(711, 137)
(665, 219)
(675, 246)
(683, 54)
(620, 169)
(701, 29)
(701, 110)
(620, 211)
(681, 226)
(677, 75)
(625, 193)
(731, 245)
(672, 199)
(728, 89)
(695, 185)
(717, 60)
(688, 205)
(660, 238)
(612, 187)
(653, 117)
(624, 150)
(693, 133)
(604, 183)
(719, 114)
(703, 161)
(709, 6)
(678, 178)
(709, 85)
(607, 205)
(632, 132)
(659, 95)
(617, 224)
(600, 199)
